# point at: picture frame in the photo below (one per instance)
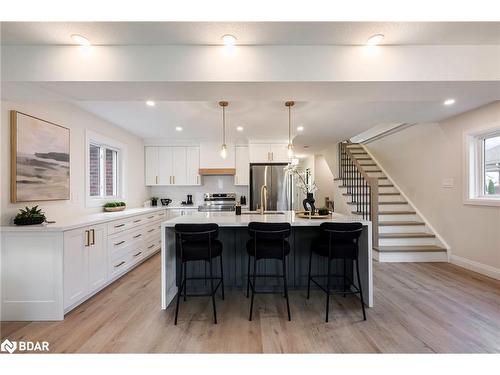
(40, 159)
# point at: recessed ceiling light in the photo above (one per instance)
(239, 128)
(300, 128)
(81, 40)
(375, 40)
(449, 102)
(229, 40)
(150, 103)
(178, 128)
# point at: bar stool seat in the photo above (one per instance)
(268, 249)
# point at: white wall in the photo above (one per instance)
(210, 184)
(323, 177)
(419, 158)
(77, 120)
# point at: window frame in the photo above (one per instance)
(475, 167)
(93, 138)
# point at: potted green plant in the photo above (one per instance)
(114, 206)
(154, 201)
(30, 216)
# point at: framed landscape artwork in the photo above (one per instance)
(39, 159)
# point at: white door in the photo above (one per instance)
(98, 258)
(179, 165)
(165, 162)
(260, 153)
(242, 166)
(151, 165)
(192, 166)
(75, 266)
(279, 153)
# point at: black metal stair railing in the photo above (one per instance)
(361, 188)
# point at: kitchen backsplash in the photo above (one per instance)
(210, 184)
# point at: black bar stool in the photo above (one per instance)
(268, 241)
(337, 241)
(197, 242)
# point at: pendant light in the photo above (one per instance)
(290, 104)
(223, 150)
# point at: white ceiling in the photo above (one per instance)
(328, 111)
(251, 33)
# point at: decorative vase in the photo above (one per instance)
(154, 202)
(308, 203)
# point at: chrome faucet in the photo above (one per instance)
(263, 199)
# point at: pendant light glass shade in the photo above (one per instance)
(290, 104)
(223, 150)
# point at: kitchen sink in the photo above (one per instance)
(265, 213)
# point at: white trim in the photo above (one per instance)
(472, 265)
(410, 256)
(473, 167)
(121, 148)
(396, 186)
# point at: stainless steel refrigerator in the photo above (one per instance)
(278, 183)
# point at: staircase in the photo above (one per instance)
(399, 233)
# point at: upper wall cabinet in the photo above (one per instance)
(242, 165)
(269, 153)
(171, 165)
(210, 156)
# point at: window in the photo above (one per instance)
(484, 168)
(104, 173)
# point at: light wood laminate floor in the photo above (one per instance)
(419, 308)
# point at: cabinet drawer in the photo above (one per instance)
(153, 230)
(151, 247)
(126, 239)
(127, 258)
(124, 224)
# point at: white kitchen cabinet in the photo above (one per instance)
(179, 166)
(260, 153)
(193, 166)
(269, 153)
(242, 159)
(166, 165)
(85, 263)
(279, 153)
(151, 166)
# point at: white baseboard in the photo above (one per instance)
(481, 268)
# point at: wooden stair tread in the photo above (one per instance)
(368, 164)
(398, 223)
(406, 235)
(396, 212)
(373, 170)
(386, 185)
(363, 159)
(420, 248)
(394, 202)
(378, 194)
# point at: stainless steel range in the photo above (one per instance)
(218, 202)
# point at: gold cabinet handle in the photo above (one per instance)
(119, 243)
(138, 220)
(151, 230)
(137, 236)
(93, 237)
(150, 246)
(119, 225)
(139, 253)
(150, 217)
(173, 177)
(156, 180)
(87, 238)
(120, 264)
(198, 179)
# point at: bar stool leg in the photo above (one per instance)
(360, 291)
(328, 291)
(222, 276)
(285, 286)
(253, 287)
(248, 277)
(309, 274)
(185, 281)
(179, 292)
(344, 276)
(212, 291)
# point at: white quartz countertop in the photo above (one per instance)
(230, 219)
(81, 220)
